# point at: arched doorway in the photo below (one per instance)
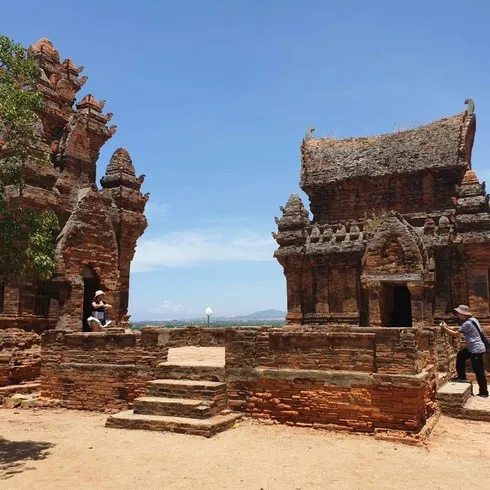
(91, 283)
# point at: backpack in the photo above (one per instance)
(485, 341)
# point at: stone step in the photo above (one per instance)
(453, 396)
(201, 427)
(477, 408)
(186, 388)
(176, 407)
(191, 371)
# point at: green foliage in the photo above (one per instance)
(374, 219)
(27, 237)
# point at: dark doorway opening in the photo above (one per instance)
(43, 298)
(91, 283)
(396, 306)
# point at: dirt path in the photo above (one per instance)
(51, 449)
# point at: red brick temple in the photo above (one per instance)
(400, 232)
(99, 228)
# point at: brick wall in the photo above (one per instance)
(355, 379)
(313, 350)
(100, 371)
(196, 336)
(20, 356)
(380, 350)
(336, 400)
(29, 323)
(350, 378)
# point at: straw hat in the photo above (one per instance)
(98, 293)
(463, 310)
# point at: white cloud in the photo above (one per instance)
(168, 307)
(193, 247)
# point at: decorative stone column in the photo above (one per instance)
(421, 314)
(374, 293)
(293, 284)
(322, 307)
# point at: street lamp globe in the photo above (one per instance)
(208, 312)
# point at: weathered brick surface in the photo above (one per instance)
(312, 350)
(381, 350)
(196, 336)
(97, 387)
(349, 378)
(100, 371)
(20, 356)
(356, 379)
(363, 405)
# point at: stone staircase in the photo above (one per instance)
(456, 400)
(190, 398)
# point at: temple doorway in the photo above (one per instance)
(396, 306)
(91, 283)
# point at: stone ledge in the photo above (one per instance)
(344, 379)
(103, 367)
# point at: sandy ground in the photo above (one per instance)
(51, 449)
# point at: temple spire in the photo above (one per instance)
(120, 172)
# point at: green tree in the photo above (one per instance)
(27, 236)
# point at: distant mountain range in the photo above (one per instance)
(264, 315)
(270, 315)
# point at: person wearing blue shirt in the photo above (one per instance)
(475, 348)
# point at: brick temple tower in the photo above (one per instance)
(400, 232)
(99, 228)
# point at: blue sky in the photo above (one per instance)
(212, 99)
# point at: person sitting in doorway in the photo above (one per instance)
(475, 348)
(97, 321)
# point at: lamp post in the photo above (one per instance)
(208, 312)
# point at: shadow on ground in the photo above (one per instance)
(14, 455)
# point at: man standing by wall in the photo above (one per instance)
(475, 348)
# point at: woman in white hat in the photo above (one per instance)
(99, 307)
(475, 348)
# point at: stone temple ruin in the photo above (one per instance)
(400, 235)
(400, 232)
(99, 229)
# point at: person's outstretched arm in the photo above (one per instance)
(450, 331)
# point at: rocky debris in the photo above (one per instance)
(29, 400)
(20, 400)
